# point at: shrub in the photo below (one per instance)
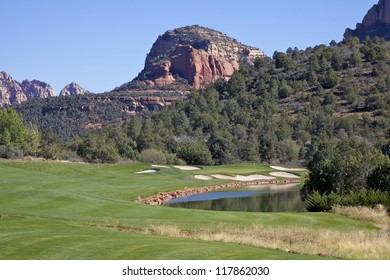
(10, 152)
(196, 153)
(321, 203)
(153, 156)
(330, 80)
(325, 202)
(380, 177)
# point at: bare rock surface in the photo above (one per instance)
(375, 23)
(73, 89)
(13, 92)
(194, 55)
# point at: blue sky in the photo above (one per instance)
(103, 44)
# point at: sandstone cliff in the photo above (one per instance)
(375, 23)
(73, 89)
(195, 55)
(13, 92)
(37, 89)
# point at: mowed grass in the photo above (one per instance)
(81, 211)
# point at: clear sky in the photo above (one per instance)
(103, 44)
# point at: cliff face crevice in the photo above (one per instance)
(196, 54)
(375, 23)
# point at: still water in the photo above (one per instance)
(273, 198)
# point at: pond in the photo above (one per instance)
(272, 198)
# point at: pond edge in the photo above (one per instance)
(160, 198)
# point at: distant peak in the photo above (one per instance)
(73, 89)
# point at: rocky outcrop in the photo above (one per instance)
(73, 89)
(375, 23)
(13, 92)
(37, 89)
(10, 91)
(195, 55)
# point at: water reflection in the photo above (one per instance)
(282, 198)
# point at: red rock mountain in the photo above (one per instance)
(73, 89)
(195, 55)
(13, 92)
(375, 23)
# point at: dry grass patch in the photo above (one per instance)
(377, 216)
(328, 243)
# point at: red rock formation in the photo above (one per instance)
(10, 91)
(13, 92)
(196, 54)
(375, 23)
(37, 89)
(73, 89)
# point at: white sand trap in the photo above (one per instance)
(146, 171)
(287, 169)
(203, 177)
(186, 167)
(284, 175)
(160, 166)
(243, 178)
(273, 187)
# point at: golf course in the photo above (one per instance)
(59, 210)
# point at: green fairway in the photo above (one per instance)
(80, 211)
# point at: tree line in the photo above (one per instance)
(325, 107)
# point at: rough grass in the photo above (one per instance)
(377, 215)
(301, 240)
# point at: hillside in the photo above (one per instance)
(275, 110)
(72, 115)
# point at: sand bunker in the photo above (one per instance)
(284, 175)
(243, 178)
(287, 169)
(146, 171)
(160, 166)
(203, 177)
(188, 168)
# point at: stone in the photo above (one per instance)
(73, 89)
(37, 89)
(375, 23)
(13, 92)
(194, 55)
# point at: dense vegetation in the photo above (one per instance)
(327, 107)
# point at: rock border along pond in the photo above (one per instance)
(162, 197)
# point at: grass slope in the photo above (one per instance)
(75, 211)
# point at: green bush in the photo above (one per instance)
(196, 153)
(10, 152)
(322, 203)
(153, 156)
(325, 202)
